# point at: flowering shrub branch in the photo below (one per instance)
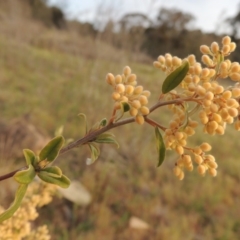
(188, 90)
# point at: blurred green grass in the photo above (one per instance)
(54, 87)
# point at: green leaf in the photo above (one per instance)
(63, 181)
(25, 176)
(82, 115)
(107, 138)
(59, 131)
(95, 152)
(16, 204)
(125, 106)
(51, 150)
(30, 157)
(53, 171)
(103, 122)
(175, 78)
(160, 146)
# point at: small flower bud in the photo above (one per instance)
(133, 112)
(212, 172)
(176, 61)
(207, 85)
(192, 124)
(212, 73)
(118, 79)
(138, 90)
(232, 103)
(168, 61)
(226, 49)
(181, 176)
(143, 99)
(187, 159)
(144, 110)
(177, 171)
(201, 169)
(173, 124)
(146, 93)
(117, 105)
(212, 164)
(110, 79)
(205, 72)
(218, 89)
(233, 112)
(209, 96)
(116, 96)
(205, 147)
(136, 104)
(216, 117)
(224, 66)
(157, 64)
(232, 46)
(161, 59)
(204, 49)
(197, 150)
(215, 47)
(236, 92)
(237, 125)
(139, 119)
(224, 113)
(131, 78)
(235, 76)
(178, 135)
(207, 60)
(124, 99)
(227, 94)
(127, 71)
(214, 107)
(198, 159)
(200, 90)
(129, 89)
(120, 88)
(189, 167)
(226, 40)
(189, 131)
(220, 130)
(179, 149)
(207, 103)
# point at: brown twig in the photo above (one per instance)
(92, 135)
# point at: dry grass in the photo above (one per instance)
(55, 82)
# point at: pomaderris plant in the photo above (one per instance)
(192, 93)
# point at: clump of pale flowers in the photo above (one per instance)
(215, 105)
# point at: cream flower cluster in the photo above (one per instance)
(126, 90)
(218, 105)
(19, 226)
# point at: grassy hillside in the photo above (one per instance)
(54, 86)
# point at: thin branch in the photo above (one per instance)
(92, 135)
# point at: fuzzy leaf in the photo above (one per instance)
(63, 181)
(82, 115)
(16, 203)
(95, 152)
(30, 157)
(59, 131)
(160, 146)
(51, 150)
(107, 138)
(103, 122)
(175, 78)
(125, 106)
(53, 171)
(25, 176)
